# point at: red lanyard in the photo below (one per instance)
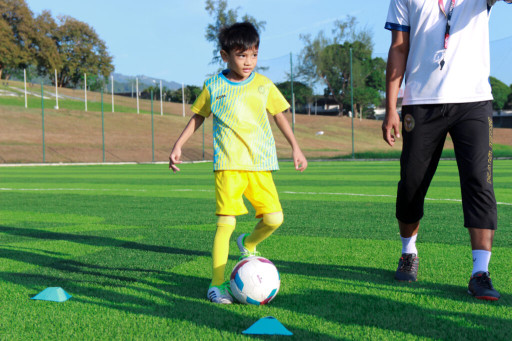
(448, 24)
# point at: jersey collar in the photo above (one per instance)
(244, 82)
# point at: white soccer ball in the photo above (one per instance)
(255, 280)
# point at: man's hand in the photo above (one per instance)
(391, 122)
(299, 160)
(174, 159)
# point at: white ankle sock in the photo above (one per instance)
(481, 260)
(409, 245)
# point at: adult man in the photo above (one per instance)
(441, 47)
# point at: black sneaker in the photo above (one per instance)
(480, 286)
(407, 268)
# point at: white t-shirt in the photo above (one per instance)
(465, 75)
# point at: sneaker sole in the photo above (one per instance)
(226, 302)
(485, 298)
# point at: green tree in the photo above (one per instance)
(222, 17)
(146, 93)
(81, 51)
(16, 35)
(191, 94)
(500, 92)
(364, 97)
(328, 60)
(8, 47)
(303, 92)
(94, 82)
(175, 95)
(47, 54)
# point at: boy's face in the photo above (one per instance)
(241, 63)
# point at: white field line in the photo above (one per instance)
(211, 191)
(73, 189)
(92, 163)
(378, 195)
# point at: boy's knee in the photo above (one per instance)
(226, 223)
(273, 220)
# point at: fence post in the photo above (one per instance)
(56, 92)
(293, 95)
(25, 81)
(112, 77)
(352, 103)
(102, 124)
(137, 92)
(85, 90)
(42, 115)
(183, 97)
(161, 100)
(152, 130)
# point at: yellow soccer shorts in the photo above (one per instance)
(258, 187)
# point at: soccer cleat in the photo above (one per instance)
(220, 294)
(480, 286)
(407, 268)
(243, 250)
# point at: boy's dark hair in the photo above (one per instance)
(239, 36)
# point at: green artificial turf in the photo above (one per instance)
(132, 245)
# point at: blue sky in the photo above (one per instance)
(165, 38)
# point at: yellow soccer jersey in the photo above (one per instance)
(242, 137)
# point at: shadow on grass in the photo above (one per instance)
(184, 297)
(180, 298)
(161, 293)
(370, 277)
(412, 319)
(96, 241)
(367, 276)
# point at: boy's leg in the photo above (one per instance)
(225, 227)
(229, 188)
(266, 226)
(262, 193)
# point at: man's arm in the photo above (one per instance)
(175, 156)
(299, 160)
(397, 61)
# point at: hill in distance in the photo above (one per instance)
(123, 83)
(144, 81)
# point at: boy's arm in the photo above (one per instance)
(397, 61)
(299, 160)
(175, 156)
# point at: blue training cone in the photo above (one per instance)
(267, 326)
(55, 294)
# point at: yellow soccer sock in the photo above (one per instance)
(225, 227)
(266, 226)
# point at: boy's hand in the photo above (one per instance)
(391, 122)
(299, 160)
(174, 159)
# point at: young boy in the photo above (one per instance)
(244, 147)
